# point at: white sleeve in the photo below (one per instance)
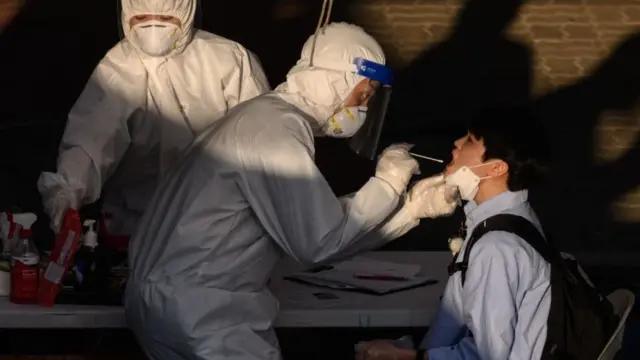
(397, 224)
(246, 81)
(96, 135)
(298, 209)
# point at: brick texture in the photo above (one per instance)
(568, 38)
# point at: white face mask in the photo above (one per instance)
(467, 181)
(156, 38)
(346, 122)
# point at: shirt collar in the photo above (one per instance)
(497, 204)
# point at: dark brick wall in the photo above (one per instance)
(455, 57)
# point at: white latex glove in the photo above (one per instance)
(56, 199)
(431, 198)
(396, 166)
(55, 208)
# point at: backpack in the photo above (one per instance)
(580, 320)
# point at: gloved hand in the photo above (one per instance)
(431, 197)
(56, 199)
(382, 350)
(396, 166)
(55, 207)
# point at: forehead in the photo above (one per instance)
(158, 6)
(366, 85)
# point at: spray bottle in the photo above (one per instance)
(86, 256)
(62, 255)
(25, 272)
(7, 232)
(90, 237)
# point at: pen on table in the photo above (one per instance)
(426, 157)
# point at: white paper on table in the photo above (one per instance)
(370, 267)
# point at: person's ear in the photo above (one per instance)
(499, 168)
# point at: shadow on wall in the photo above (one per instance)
(437, 93)
(476, 66)
(576, 203)
(49, 51)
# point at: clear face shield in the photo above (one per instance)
(365, 141)
(197, 21)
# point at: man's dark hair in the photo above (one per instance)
(513, 134)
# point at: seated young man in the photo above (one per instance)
(501, 311)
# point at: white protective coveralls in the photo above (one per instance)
(138, 112)
(246, 193)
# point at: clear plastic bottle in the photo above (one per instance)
(25, 258)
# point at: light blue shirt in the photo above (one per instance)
(501, 312)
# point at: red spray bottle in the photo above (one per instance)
(25, 258)
(62, 255)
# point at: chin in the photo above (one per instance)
(450, 169)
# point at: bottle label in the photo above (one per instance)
(24, 281)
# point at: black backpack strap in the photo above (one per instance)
(463, 265)
(514, 224)
(455, 266)
(527, 231)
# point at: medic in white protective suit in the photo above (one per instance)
(147, 100)
(248, 192)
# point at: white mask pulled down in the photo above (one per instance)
(346, 122)
(156, 38)
(467, 181)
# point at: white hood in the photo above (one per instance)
(184, 10)
(320, 88)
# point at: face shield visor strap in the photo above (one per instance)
(365, 142)
(197, 20)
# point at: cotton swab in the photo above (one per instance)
(427, 158)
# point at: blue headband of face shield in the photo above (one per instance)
(374, 71)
